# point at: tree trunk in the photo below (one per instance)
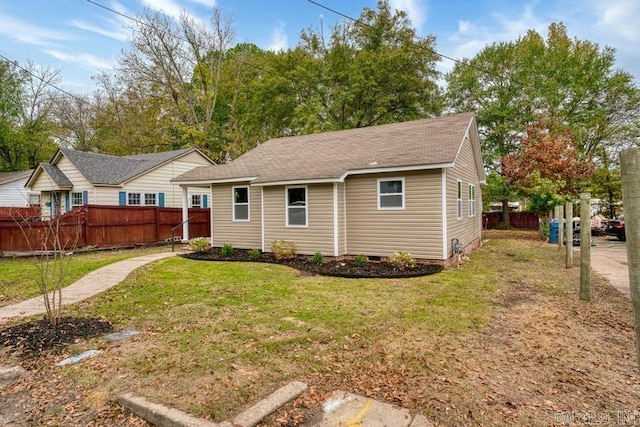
(506, 215)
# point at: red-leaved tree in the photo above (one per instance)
(547, 167)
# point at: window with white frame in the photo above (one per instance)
(459, 200)
(241, 203)
(296, 206)
(150, 199)
(196, 201)
(472, 200)
(391, 194)
(76, 198)
(134, 199)
(34, 199)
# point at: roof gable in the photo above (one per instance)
(330, 156)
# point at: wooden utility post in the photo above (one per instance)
(560, 215)
(585, 246)
(568, 214)
(630, 168)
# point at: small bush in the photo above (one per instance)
(283, 249)
(361, 260)
(254, 254)
(227, 250)
(402, 260)
(198, 244)
(317, 258)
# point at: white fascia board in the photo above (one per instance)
(297, 182)
(214, 181)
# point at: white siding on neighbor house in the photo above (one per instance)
(416, 229)
(317, 236)
(155, 181)
(240, 234)
(467, 229)
(13, 194)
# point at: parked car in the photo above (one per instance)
(615, 227)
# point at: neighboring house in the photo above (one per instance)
(12, 191)
(74, 178)
(412, 186)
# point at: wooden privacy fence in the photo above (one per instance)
(102, 226)
(524, 220)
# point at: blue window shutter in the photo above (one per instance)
(122, 198)
(205, 204)
(161, 200)
(85, 197)
(67, 202)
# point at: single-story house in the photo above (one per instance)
(12, 191)
(75, 178)
(411, 186)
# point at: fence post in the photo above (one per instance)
(630, 168)
(568, 213)
(585, 246)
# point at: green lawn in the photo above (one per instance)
(19, 277)
(212, 321)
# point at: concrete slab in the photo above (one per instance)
(162, 416)
(347, 409)
(252, 416)
(9, 374)
(80, 357)
(121, 335)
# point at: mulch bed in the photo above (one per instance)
(30, 338)
(329, 267)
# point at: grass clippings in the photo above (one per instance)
(503, 340)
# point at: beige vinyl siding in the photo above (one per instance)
(240, 234)
(467, 229)
(317, 236)
(416, 229)
(342, 220)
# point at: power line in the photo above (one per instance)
(48, 83)
(433, 51)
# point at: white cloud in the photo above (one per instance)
(114, 33)
(24, 32)
(416, 11)
(279, 39)
(83, 59)
(208, 3)
(169, 7)
(619, 17)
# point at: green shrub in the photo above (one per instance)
(198, 244)
(361, 260)
(227, 250)
(317, 258)
(402, 259)
(283, 249)
(254, 254)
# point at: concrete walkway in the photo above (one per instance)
(92, 284)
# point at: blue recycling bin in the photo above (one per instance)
(553, 231)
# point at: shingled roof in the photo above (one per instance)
(330, 156)
(103, 169)
(6, 177)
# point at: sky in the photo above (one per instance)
(81, 38)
